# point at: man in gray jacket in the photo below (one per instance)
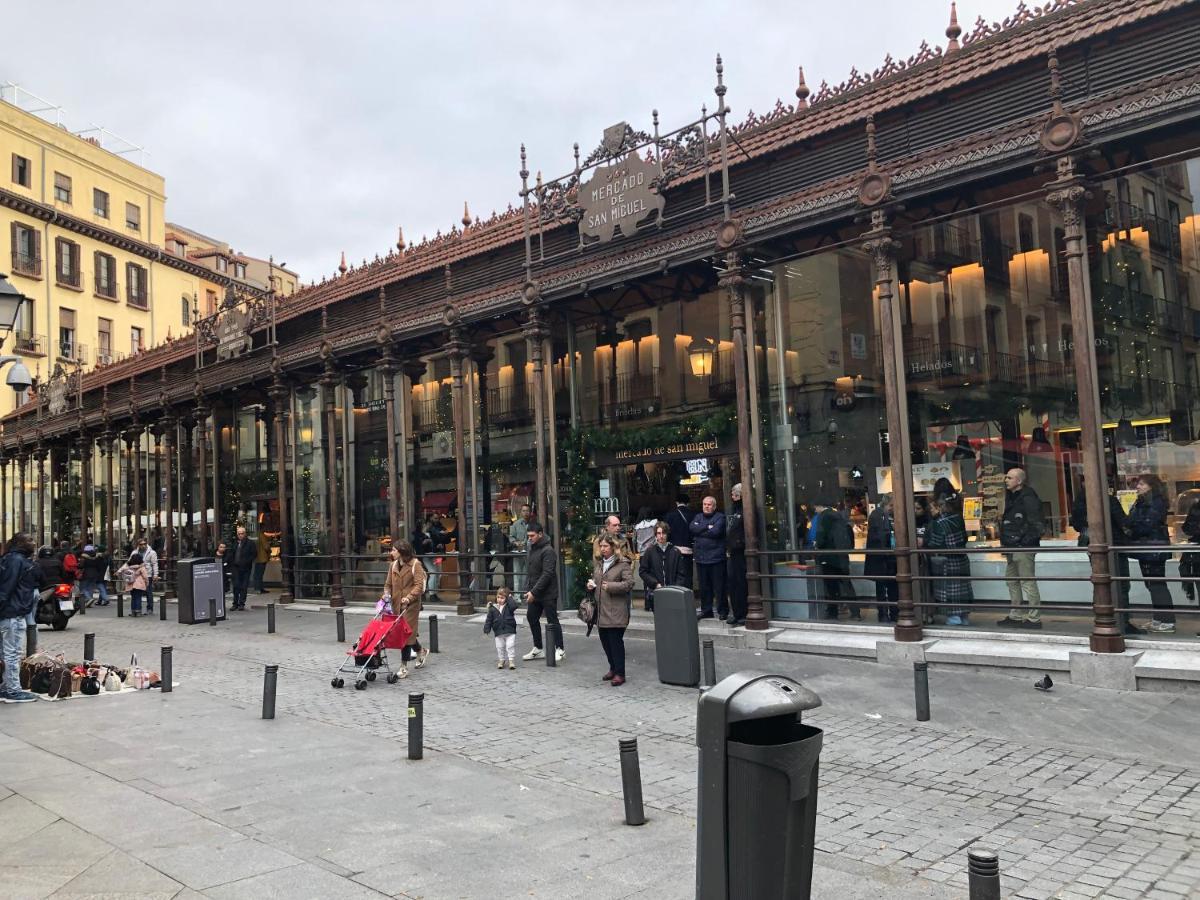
(542, 594)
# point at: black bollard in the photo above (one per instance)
(120, 605)
(983, 875)
(341, 626)
(710, 665)
(212, 611)
(89, 647)
(433, 634)
(30, 639)
(165, 666)
(416, 726)
(80, 604)
(551, 646)
(270, 680)
(162, 608)
(270, 618)
(631, 782)
(921, 685)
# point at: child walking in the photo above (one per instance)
(135, 576)
(501, 623)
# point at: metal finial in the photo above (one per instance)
(654, 116)
(539, 181)
(1055, 82)
(802, 92)
(466, 219)
(576, 159)
(446, 276)
(382, 304)
(342, 267)
(524, 165)
(871, 142)
(952, 30)
(400, 245)
(324, 319)
(720, 88)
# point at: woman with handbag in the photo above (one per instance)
(404, 588)
(611, 585)
(1148, 525)
(947, 532)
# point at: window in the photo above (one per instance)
(100, 203)
(210, 303)
(103, 342)
(135, 339)
(222, 264)
(176, 247)
(1160, 283)
(66, 333)
(26, 250)
(106, 276)
(185, 305)
(1025, 232)
(62, 188)
(239, 270)
(135, 284)
(22, 172)
(66, 262)
(1149, 202)
(133, 217)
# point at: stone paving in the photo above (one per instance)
(1070, 818)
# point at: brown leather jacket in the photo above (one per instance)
(406, 586)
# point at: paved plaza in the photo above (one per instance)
(1085, 793)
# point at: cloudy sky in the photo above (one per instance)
(302, 128)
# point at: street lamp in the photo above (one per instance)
(700, 355)
(11, 301)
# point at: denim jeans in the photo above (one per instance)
(433, 574)
(87, 590)
(12, 638)
(149, 595)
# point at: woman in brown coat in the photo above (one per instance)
(405, 587)
(612, 586)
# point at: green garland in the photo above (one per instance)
(715, 425)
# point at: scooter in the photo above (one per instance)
(55, 606)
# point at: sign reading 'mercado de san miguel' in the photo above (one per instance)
(618, 196)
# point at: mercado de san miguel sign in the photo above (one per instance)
(618, 196)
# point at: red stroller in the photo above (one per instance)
(369, 654)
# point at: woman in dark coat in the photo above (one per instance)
(882, 565)
(948, 532)
(612, 587)
(1148, 525)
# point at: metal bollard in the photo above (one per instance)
(89, 647)
(270, 681)
(212, 611)
(80, 602)
(983, 875)
(416, 726)
(433, 634)
(270, 618)
(165, 667)
(551, 646)
(341, 626)
(631, 782)
(120, 605)
(710, 665)
(30, 639)
(162, 608)
(921, 685)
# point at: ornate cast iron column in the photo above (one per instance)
(133, 444)
(169, 426)
(39, 457)
(457, 349)
(280, 399)
(1069, 195)
(329, 384)
(106, 442)
(5, 529)
(481, 355)
(882, 248)
(156, 433)
(85, 483)
(535, 333)
(733, 281)
(201, 415)
(388, 369)
(410, 509)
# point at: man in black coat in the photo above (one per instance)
(541, 578)
(661, 565)
(241, 562)
(679, 520)
(1118, 523)
(735, 566)
(1021, 527)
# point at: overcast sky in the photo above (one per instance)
(302, 128)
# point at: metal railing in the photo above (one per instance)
(73, 351)
(29, 343)
(70, 278)
(26, 263)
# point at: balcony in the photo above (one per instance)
(945, 246)
(71, 279)
(106, 288)
(106, 357)
(139, 300)
(73, 352)
(633, 395)
(509, 405)
(29, 344)
(27, 264)
(721, 384)
(433, 415)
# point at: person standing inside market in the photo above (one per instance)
(262, 556)
(518, 536)
(542, 579)
(708, 541)
(241, 561)
(735, 569)
(1021, 528)
(1148, 525)
(881, 566)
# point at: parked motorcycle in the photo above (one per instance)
(55, 606)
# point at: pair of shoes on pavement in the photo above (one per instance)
(1010, 622)
(734, 621)
(1160, 627)
(501, 663)
(539, 653)
(17, 696)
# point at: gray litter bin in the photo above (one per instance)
(196, 580)
(676, 636)
(757, 803)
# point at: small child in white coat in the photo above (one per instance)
(501, 623)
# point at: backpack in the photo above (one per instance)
(843, 534)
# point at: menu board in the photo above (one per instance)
(991, 495)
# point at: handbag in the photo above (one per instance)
(111, 682)
(137, 677)
(586, 611)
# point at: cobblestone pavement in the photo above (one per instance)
(1071, 816)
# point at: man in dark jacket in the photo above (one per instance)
(679, 520)
(708, 541)
(541, 575)
(661, 564)
(18, 598)
(1118, 523)
(834, 532)
(92, 568)
(1021, 527)
(241, 563)
(735, 569)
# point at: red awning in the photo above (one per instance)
(438, 501)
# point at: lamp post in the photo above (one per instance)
(11, 301)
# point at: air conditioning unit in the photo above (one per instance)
(442, 444)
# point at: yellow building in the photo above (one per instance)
(83, 235)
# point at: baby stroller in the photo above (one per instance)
(369, 653)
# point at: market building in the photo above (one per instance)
(986, 255)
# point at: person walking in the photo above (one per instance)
(1021, 528)
(404, 588)
(241, 561)
(834, 532)
(708, 541)
(612, 584)
(262, 556)
(150, 561)
(679, 520)
(69, 562)
(952, 586)
(518, 535)
(542, 596)
(93, 565)
(501, 623)
(1148, 525)
(1119, 525)
(881, 566)
(661, 565)
(18, 599)
(735, 566)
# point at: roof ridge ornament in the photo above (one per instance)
(802, 92)
(1062, 129)
(953, 31)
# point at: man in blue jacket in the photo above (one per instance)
(18, 597)
(708, 544)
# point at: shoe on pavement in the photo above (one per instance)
(560, 654)
(535, 653)
(730, 619)
(954, 620)
(1035, 624)
(499, 664)
(421, 655)
(402, 671)
(1010, 622)
(704, 615)
(1162, 627)
(618, 680)
(609, 676)
(20, 697)
(1130, 628)
(511, 665)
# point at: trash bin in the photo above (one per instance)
(757, 803)
(676, 636)
(196, 580)
(792, 591)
